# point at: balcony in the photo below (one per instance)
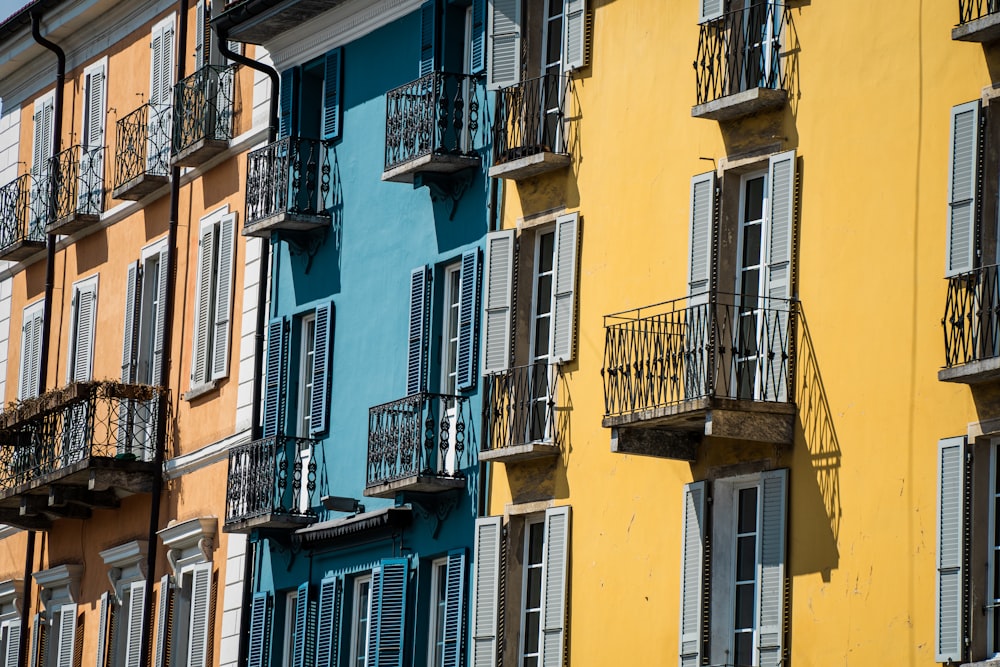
(74, 449)
(719, 365)
(289, 187)
(740, 68)
(416, 444)
(521, 417)
(971, 326)
(203, 115)
(22, 218)
(430, 127)
(142, 162)
(271, 485)
(78, 189)
(529, 132)
(978, 21)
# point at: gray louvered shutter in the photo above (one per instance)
(289, 79)
(564, 287)
(103, 660)
(477, 49)
(416, 356)
(164, 623)
(161, 319)
(332, 69)
(702, 221)
(391, 613)
(301, 654)
(134, 636)
(468, 309)
(223, 298)
(161, 66)
(83, 346)
(778, 275)
(200, 35)
(203, 304)
(454, 609)
(94, 105)
(963, 182)
(951, 520)
(38, 632)
(91, 177)
(201, 602)
(555, 566)
(694, 540)
(31, 350)
(504, 55)
(12, 655)
(375, 605)
(709, 10)
(574, 34)
(498, 298)
(771, 567)
(427, 30)
(66, 647)
(130, 338)
(42, 145)
(274, 390)
(486, 577)
(258, 652)
(322, 344)
(331, 595)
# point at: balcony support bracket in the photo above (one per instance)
(661, 443)
(433, 505)
(13, 517)
(39, 506)
(131, 481)
(305, 243)
(60, 495)
(446, 187)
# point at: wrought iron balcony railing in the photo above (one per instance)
(21, 222)
(292, 176)
(971, 320)
(78, 184)
(530, 118)
(422, 435)
(706, 346)
(143, 148)
(741, 50)
(203, 107)
(272, 480)
(972, 10)
(45, 436)
(438, 114)
(520, 406)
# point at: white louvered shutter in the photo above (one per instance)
(201, 601)
(38, 632)
(130, 338)
(771, 567)
(963, 180)
(416, 357)
(693, 543)
(468, 309)
(702, 223)
(391, 613)
(31, 350)
(710, 9)
(12, 653)
(134, 634)
(504, 53)
(102, 630)
(498, 297)
(223, 297)
(260, 621)
(164, 620)
(564, 287)
(555, 571)
(322, 344)
(951, 519)
(780, 226)
(94, 107)
(91, 177)
(160, 96)
(486, 576)
(161, 324)
(66, 648)
(83, 344)
(200, 34)
(203, 305)
(574, 34)
(42, 145)
(331, 595)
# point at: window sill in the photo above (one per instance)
(200, 390)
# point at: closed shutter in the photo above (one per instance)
(38, 632)
(322, 344)
(778, 277)
(498, 300)
(391, 613)
(486, 576)
(66, 648)
(477, 49)
(702, 221)
(416, 357)
(164, 623)
(289, 82)
(331, 94)
(94, 104)
(274, 390)
(331, 596)
(103, 659)
(162, 65)
(223, 298)
(303, 648)
(83, 344)
(374, 605)
(134, 636)
(694, 540)
(260, 632)
(564, 290)
(130, 339)
(468, 309)
(160, 325)
(201, 602)
(951, 521)
(454, 609)
(710, 9)
(203, 304)
(12, 655)
(504, 56)
(427, 29)
(31, 350)
(574, 34)
(201, 37)
(771, 567)
(43, 137)
(963, 184)
(555, 568)
(91, 176)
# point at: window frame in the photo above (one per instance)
(306, 368)
(30, 365)
(219, 299)
(90, 282)
(361, 639)
(288, 632)
(526, 566)
(438, 602)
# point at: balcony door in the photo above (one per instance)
(757, 51)
(449, 364)
(161, 78)
(540, 355)
(749, 277)
(41, 154)
(90, 189)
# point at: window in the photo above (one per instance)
(552, 33)
(145, 310)
(55, 633)
(31, 350)
(11, 593)
(289, 634)
(307, 368)
(41, 153)
(744, 551)
(161, 84)
(360, 620)
(120, 632)
(214, 299)
(537, 607)
(79, 367)
(438, 611)
(300, 628)
(94, 114)
(447, 610)
(310, 98)
(187, 606)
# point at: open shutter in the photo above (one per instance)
(223, 298)
(331, 595)
(260, 631)
(161, 65)
(42, 146)
(427, 29)
(302, 648)
(454, 609)
(331, 94)
(130, 336)
(392, 613)
(164, 623)
(375, 606)
(963, 182)
(504, 57)
(83, 348)
(12, 655)
(94, 107)
(951, 520)
(201, 601)
(477, 49)
(498, 300)
(778, 277)
(66, 650)
(709, 10)
(693, 543)
(555, 568)
(274, 390)
(486, 590)
(201, 36)
(574, 34)
(161, 318)
(319, 408)
(416, 357)
(771, 567)
(31, 349)
(38, 632)
(289, 81)
(135, 635)
(702, 220)
(564, 290)
(468, 309)
(103, 660)
(203, 304)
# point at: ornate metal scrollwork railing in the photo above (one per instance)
(741, 50)
(520, 406)
(971, 10)
(18, 221)
(203, 106)
(422, 434)
(78, 175)
(704, 346)
(530, 118)
(143, 143)
(971, 319)
(291, 175)
(271, 476)
(438, 113)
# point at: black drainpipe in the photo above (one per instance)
(168, 319)
(50, 269)
(249, 554)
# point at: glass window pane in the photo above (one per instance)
(554, 41)
(743, 649)
(747, 510)
(535, 532)
(533, 594)
(746, 558)
(753, 204)
(531, 623)
(546, 246)
(543, 301)
(744, 606)
(751, 245)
